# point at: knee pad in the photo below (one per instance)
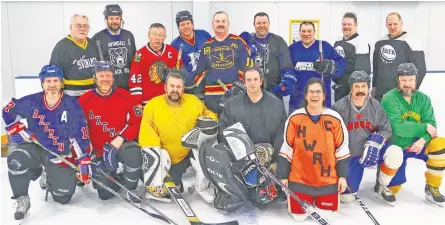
(36, 173)
(395, 189)
(131, 158)
(393, 157)
(19, 161)
(62, 199)
(435, 149)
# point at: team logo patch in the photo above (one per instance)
(340, 51)
(157, 72)
(118, 56)
(222, 57)
(387, 54)
(137, 111)
(137, 57)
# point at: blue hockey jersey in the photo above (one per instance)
(303, 58)
(61, 128)
(191, 51)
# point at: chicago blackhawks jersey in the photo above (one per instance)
(303, 58)
(147, 71)
(77, 63)
(224, 61)
(191, 48)
(118, 49)
(314, 153)
(389, 53)
(362, 121)
(356, 52)
(57, 128)
(109, 116)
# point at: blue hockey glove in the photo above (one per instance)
(110, 157)
(84, 164)
(97, 164)
(286, 86)
(373, 145)
(18, 133)
(247, 37)
(325, 67)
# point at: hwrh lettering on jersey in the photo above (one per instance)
(104, 125)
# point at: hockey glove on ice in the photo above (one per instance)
(18, 133)
(110, 157)
(373, 145)
(326, 67)
(287, 84)
(84, 164)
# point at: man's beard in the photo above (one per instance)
(110, 27)
(170, 97)
(407, 94)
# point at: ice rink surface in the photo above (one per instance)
(86, 207)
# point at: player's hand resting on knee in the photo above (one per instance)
(372, 146)
(84, 164)
(342, 184)
(417, 146)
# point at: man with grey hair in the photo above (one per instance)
(76, 55)
(390, 51)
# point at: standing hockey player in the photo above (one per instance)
(191, 39)
(356, 52)
(369, 133)
(166, 118)
(56, 121)
(314, 158)
(260, 112)
(113, 121)
(77, 66)
(222, 58)
(390, 51)
(270, 53)
(414, 130)
(116, 44)
(306, 58)
(150, 64)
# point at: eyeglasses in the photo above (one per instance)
(80, 26)
(157, 35)
(318, 92)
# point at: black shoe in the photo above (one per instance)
(383, 194)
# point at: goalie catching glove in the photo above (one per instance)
(155, 166)
(372, 146)
(327, 66)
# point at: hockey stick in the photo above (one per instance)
(320, 50)
(191, 216)
(161, 217)
(306, 207)
(364, 207)
(101, 56)
(178, 61)
(223, 86)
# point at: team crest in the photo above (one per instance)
(137, 57)
(157, 72)
(222, 57)
(137, 111)
(118, 56)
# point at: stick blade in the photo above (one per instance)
(235, 222)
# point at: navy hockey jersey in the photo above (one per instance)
(303, 58)
(57, 128)
(191, 50)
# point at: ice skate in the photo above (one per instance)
(22, 211)
(433, 195)
(42, 180)
(383, 194)
(132, 198)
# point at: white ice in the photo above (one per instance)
(86, 207)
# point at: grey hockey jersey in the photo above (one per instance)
(356, 52)
(389, 53)
(119, 50)
(77, 63)
(361, 122)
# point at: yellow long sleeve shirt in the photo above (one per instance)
(163, 124)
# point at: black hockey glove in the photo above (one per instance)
(327, 67)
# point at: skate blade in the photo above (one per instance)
(430, 199)
(377, 196)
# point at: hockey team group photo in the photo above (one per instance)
(233, 123)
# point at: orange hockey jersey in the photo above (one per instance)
(145, 81)
(316, 153)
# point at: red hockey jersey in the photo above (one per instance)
(145, 73)
(109, 116)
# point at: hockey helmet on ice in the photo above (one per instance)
(407, 69)
(50, 71)
(183, 16)
(112, 10)
(359, 76)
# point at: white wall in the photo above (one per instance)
(31, 29)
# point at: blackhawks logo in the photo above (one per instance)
(137, 57)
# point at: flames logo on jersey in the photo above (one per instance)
(118, 56)
(157, 72)
(222, 57)
(387, 54)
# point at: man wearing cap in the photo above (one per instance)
(191, 40)
(368, 128)
(415, 130)
(117, 45)
(56, 122)
(113, 124)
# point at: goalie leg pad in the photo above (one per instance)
(156, 164)
(202, 184)
(238, 141)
